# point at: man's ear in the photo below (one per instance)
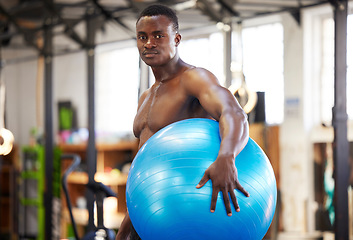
(177, 39)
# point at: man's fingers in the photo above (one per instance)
(241, 189)
(227, 203)
(214, 200)
(203, 181)
(234, 200)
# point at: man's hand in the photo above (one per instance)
(224, 177)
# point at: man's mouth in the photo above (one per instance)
(149, 53)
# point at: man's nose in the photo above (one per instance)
(150, 43)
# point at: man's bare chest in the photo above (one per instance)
(160, 109)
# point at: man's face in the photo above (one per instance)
(156, 40)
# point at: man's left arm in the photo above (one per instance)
(234, 131)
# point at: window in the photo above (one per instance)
(327, 69)
(206, 53)
(263, 66)
(117, 82)
(350, 66)
(262, 62)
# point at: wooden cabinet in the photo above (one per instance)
(110, 159)
(5, 206)
(9, 166)
(267, 137)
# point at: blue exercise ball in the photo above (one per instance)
(161, 194)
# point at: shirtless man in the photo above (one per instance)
(182, 91)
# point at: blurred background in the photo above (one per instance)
(71, 78)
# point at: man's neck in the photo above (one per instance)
(168, 71)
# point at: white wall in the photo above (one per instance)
(296, 180)
(20, 80)
(69, 83)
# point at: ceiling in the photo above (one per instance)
(22, 21)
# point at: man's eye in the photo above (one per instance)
(142, 37)
(159, 36)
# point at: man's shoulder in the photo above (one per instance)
(195, 70)
(196, 80)
(144, 95)
(197, 74)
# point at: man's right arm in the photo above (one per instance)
(124, 230)
(125, 227)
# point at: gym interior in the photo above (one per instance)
(71, 78)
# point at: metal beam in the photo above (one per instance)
(91, 151)
(339, 122)
(203, 5)
(19, 29)
(109, 16)
(296, 15)
(337, 4)
(49, 134)
(69, 29)
(289, 9)
(263, 4)
(229, 8)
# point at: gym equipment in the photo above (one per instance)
(6, 136)
(6, 142)
(31, 220)
(31, 194)
(100, 191)
(162, 198)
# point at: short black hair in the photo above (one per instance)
(158, 9)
